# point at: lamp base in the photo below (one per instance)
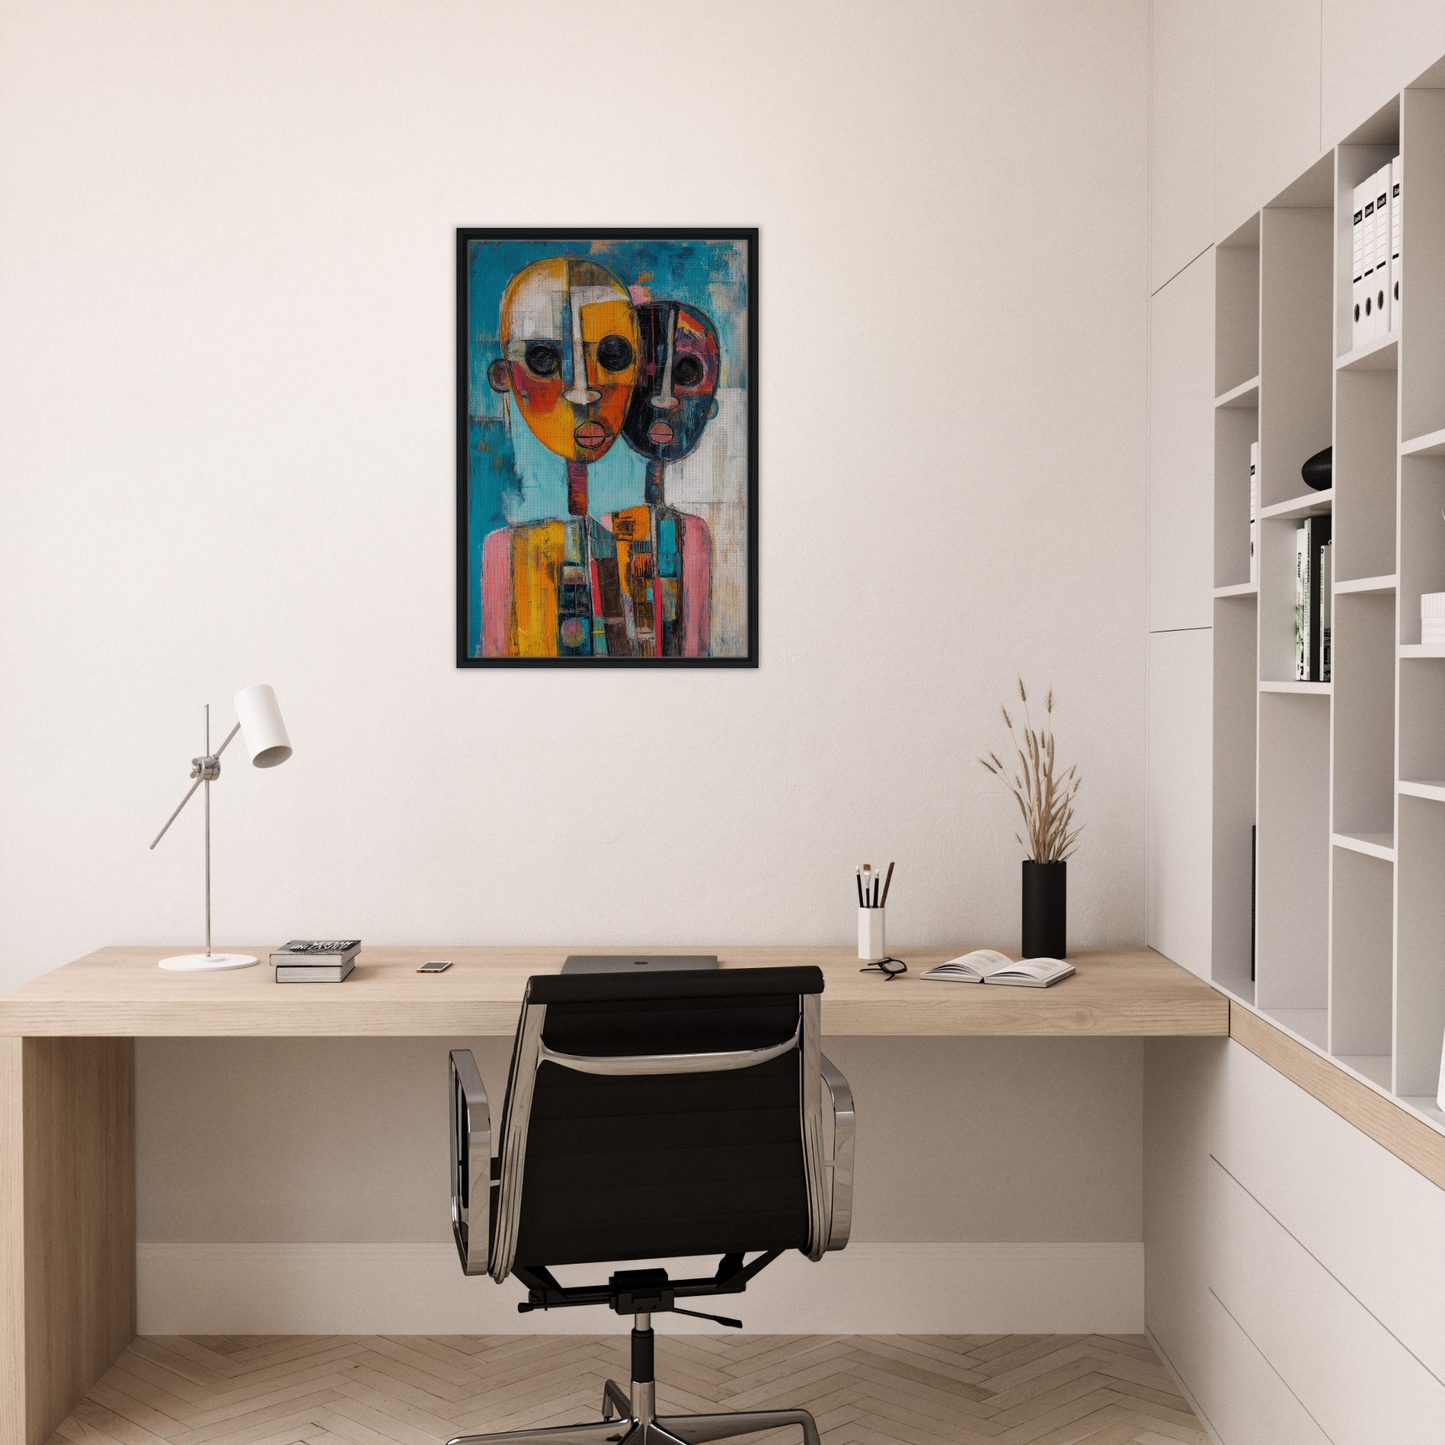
(206, 962)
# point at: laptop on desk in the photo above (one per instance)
(637, 962)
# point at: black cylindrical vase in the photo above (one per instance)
(1046, 909)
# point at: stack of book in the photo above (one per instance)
(1312, 601)
(315, 960)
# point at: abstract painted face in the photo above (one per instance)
(677, 377)
(569, 354)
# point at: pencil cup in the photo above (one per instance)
(870, 934)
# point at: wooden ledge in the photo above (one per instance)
(1386, 1122)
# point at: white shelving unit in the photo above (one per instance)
(1343, 780)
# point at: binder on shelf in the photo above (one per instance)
(1357, 268)
(1382, 252)
(1396, 226)
(1367, 321)
(1254, 513)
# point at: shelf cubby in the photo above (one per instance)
(1294, 852)
(1365, 459)
(1422, 537)
(1236, 706)
(1420, 963)
(1235, 429)
(1362, 902)
(1364, 703)
(1422, 721)
(1296, 366)
(1236, 314)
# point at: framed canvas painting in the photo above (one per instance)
(607, 448)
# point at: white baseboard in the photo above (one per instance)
(312, 1289)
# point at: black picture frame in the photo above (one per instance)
(466, 234)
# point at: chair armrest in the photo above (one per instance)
(471, 1128)
(840, 1217)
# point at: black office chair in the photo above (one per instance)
(650, 1117)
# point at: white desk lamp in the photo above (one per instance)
(258, 720)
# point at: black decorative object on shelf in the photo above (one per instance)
(1046, 909)
(1319, 471)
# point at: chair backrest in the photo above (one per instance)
(662, 1115)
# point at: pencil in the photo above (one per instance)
(887, 883)
(858, 879)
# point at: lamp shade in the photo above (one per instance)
(262, 730)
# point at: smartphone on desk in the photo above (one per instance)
(435, 965)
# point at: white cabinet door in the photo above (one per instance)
(1358, 1382)
(1181, 134)
(1178, 901)
(1181, 450)
(1266, 102)
(1246, 1401)
(1370, 52)
(1371, 1220)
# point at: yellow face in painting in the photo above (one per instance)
(569, 354)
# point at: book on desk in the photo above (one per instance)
(988, 965)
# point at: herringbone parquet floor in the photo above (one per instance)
(419, 1390)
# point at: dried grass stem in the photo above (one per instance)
(1045, 797)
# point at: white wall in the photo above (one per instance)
(226, 364)
(226, 357)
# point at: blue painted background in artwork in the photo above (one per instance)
(511, 476)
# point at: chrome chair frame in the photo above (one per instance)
(485, 1229)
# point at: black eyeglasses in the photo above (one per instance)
(890, 968)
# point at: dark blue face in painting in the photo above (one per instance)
(677, 377)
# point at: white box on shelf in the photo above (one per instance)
(1432, 617)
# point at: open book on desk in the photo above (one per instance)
(987, 965)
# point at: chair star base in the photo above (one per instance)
(630, 1428)
(630, 1419)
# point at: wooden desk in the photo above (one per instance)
(119, 992)
(67, 1090)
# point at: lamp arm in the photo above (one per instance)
(177, 813)
(227, 743)
(202, 774)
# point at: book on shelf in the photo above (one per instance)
(1301, 607)
(1311, 538)
(988, 965)
(1326, 607)
(1254, 513)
